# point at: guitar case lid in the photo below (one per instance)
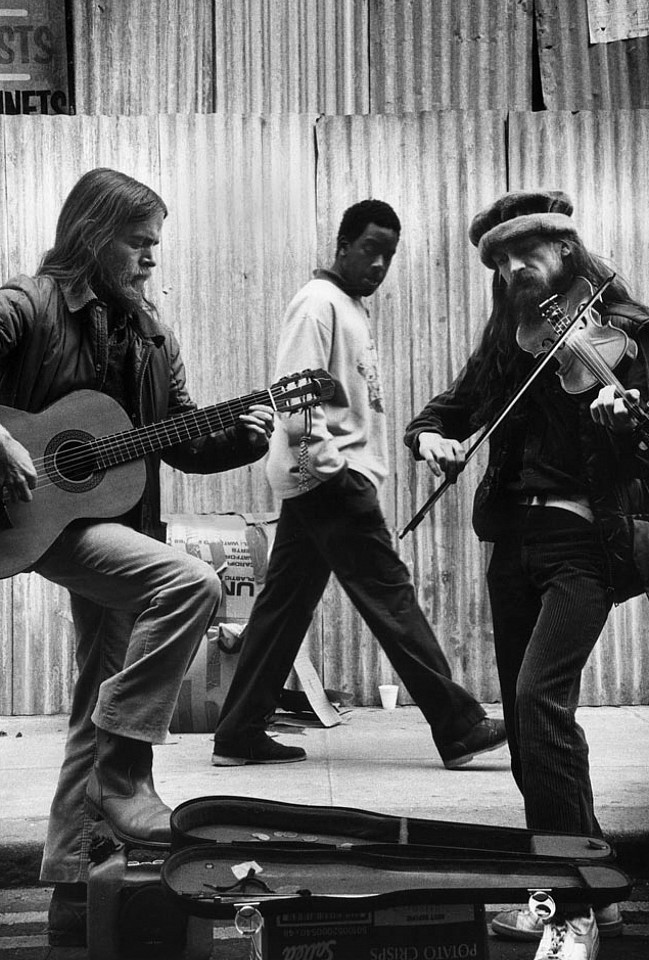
(216, 880)
(253, 821)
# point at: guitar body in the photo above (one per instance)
(61, 495)
(89, 457)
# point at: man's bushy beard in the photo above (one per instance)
(527, 290)
(112, 282)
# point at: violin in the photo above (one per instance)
(590, 351)
(550, 343)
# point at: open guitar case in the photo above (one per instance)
(231, 855)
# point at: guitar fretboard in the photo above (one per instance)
(140, 441)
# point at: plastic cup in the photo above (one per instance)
(388, 693)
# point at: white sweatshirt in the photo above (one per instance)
(325, 327)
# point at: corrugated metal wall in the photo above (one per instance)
(450, 55)
(415, 98)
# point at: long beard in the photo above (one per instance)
(525, 292)
(528, 289)
(114, 285)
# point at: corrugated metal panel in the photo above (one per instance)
(43, 639)
(151, 56)
(448, 54)
(600, 160)
(282, 56)
(436, 169)
(345, 57)
(240, 237)
(578, 75)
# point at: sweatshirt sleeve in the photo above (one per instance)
(306, 342)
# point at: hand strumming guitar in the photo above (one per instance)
(17, 473)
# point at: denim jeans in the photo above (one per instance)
(338, 527)
(140, 609)
(549, 602)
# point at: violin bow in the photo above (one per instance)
(498, 419)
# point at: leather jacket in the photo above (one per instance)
(615, 466)
(53, 341)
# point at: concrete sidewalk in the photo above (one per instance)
(376, 760)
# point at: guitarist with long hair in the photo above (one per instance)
(140, 608)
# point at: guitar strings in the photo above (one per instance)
(89, 456)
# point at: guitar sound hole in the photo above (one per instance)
(74, 462)
(70, 462)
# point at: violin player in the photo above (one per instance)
(564, 476)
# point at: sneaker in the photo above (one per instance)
(574, 939)
(524, 925)
(486, 735)
(263, 749)
(66, 917)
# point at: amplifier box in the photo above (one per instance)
(132, 917)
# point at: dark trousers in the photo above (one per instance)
(339, 528)
(549, 604)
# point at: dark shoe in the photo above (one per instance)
(263, 749)
(121, 792)
(486, 735)
(66, 917)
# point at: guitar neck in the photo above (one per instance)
(137, 443)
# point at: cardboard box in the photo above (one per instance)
(405, 932)
(237, 546)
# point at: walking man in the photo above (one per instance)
(331, 521)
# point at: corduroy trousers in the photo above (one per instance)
(549, 603)
(140, 609)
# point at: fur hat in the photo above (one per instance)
(517, 215)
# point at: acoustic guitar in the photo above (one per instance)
(88, 457)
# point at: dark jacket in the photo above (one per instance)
(616, 467)
(53, 342)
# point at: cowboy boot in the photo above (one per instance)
(121, 792)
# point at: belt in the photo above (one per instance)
(578, 505)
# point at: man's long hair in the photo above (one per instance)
(501, 364)
(100, 204)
